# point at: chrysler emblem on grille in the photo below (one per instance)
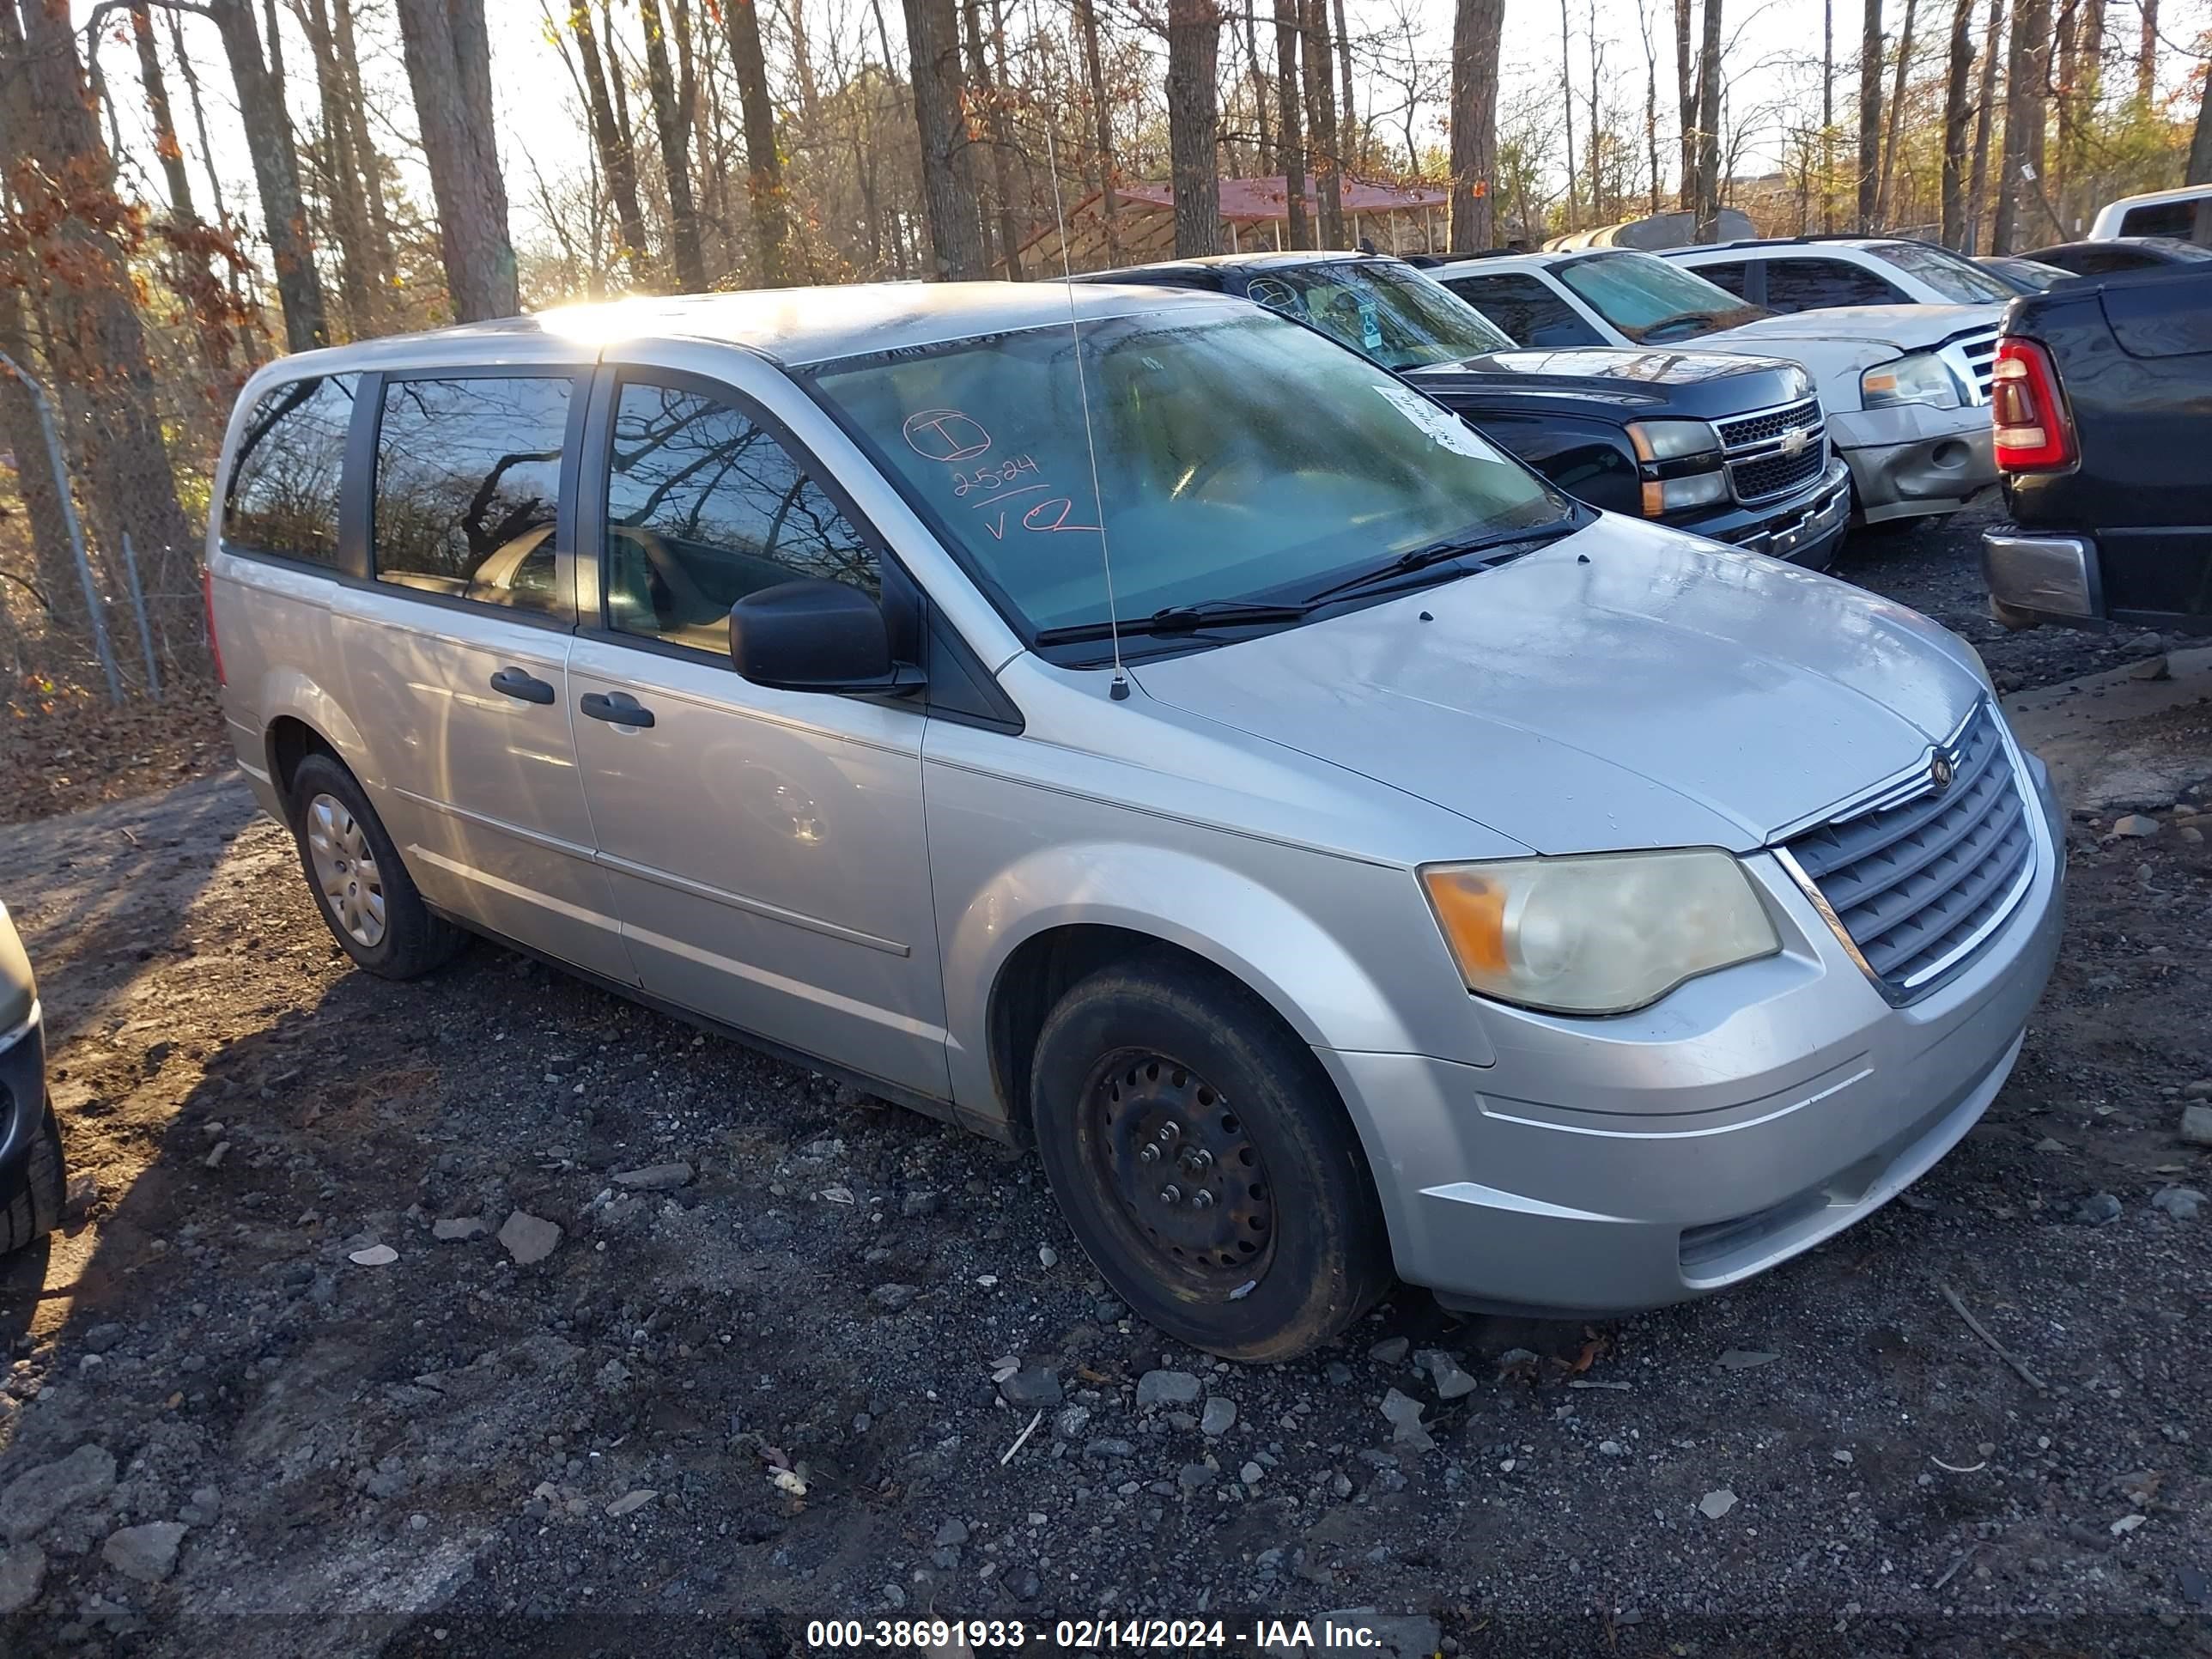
(1940, 771)
(1794, 440)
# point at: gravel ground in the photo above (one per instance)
(297, 1381)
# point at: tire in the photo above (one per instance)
(1266, 1268)
(33, 1206)
(2017, 621)
(366, 897)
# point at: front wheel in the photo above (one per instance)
(1204, 1162)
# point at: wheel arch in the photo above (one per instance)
(301, 718)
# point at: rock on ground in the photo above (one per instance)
(22, 1570)
(147, 1553)
(655, 1178)
(34, 1501)
(1166, 1388)
(529, 1238)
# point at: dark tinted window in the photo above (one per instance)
(2161, 219)
(284, 496)
(704, 506)
(1814, 285)
(1729, 275)
(2099, 258)
(468, 486)
(1526, 309)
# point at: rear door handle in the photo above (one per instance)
(521, 684)
(617, 708)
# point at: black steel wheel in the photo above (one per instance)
(1203, 1160)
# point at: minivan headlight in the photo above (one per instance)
(1597, 934)
(1922, 378)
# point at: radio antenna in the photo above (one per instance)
(1118, 689)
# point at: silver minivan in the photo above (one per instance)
(1128, 723)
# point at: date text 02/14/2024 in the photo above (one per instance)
(1094, 1635)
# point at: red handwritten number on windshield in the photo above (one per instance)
(1047, 517)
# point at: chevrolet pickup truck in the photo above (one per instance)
(2101, 405)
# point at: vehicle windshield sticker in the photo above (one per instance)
(1441, 424)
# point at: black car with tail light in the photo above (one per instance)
(2101, 400)
(1729, 447)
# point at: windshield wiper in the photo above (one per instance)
(1179, 619)
(1452, 547)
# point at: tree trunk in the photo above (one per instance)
(1348, 127)
(449, 67)
(671, 123)
(1650, 107)
(1477, 27)
(763, 167)
(97, 347)
(52, 561)
(1896, 114)
(1567, 108)
(1194, 39)
(2146, 54)
(2200, 165)
(1598, 215)
(2021, 179)
(1869, 115)
(1269, 162)
(1956, 117)
(1685, 98)
(1320, 100)
(1086, 19)
(1985, 107)
(383, 251)
(1708, 127)
(1002, 149)
(971, 21)
(612, 142)
(1289, 134)
(166, 147)
(275, 174)
(1828, 115)
(948, 194)
(349, 210)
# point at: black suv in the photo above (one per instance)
(1733, 448)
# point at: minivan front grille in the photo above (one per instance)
(1916, 885)
(1775, 451)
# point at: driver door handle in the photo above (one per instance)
(616, 707)
(521, 684)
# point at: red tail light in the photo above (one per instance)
(2034, 433)
(207, 597)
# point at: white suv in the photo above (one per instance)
(1905, 386)
(1806, 273)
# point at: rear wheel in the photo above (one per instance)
(360, 885)
(1204, 1162)
(32, 1207)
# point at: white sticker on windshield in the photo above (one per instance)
(1446, 427)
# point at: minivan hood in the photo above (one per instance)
(1899, 328)
(1627, 687)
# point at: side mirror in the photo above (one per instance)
(816, 635)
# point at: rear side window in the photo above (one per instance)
(2160, 218)
(468, 487)
(704, 506)
(1526, 309)
(1730, 274)
(1814, 284)
(284, 493)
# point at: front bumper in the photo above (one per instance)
(22, 1092)
(1601, 1166)
(2042, 578)
(1805, 529)
(1913, 460)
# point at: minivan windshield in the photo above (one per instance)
(1382, 310)
(1649, 299)
(1956, 278)
(1240, 457)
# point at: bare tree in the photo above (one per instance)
(2146, 53)
(1478, 28)
(1567, 109)
(2200, 162)
(1101, 115)
(1957, 114)
(1348, 125)
(1985, 105)
(276, 159)
(449, 67)
(671, 121)
(1709, 127)
(358, 290)
(1321, 120)
(764, 188)
(2026, 79)
(1827, 115)
(616, 158)
(1650, 103)
(1869, 115)
(1290, 134)
(1685, 98)
(1193, 39)
(948, 190)
(1896, 113)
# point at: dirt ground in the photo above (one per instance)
(763, 1392)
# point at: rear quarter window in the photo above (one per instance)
(282, 498)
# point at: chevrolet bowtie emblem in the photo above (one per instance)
(1794, 440)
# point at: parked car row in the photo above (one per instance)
(1148, 725)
